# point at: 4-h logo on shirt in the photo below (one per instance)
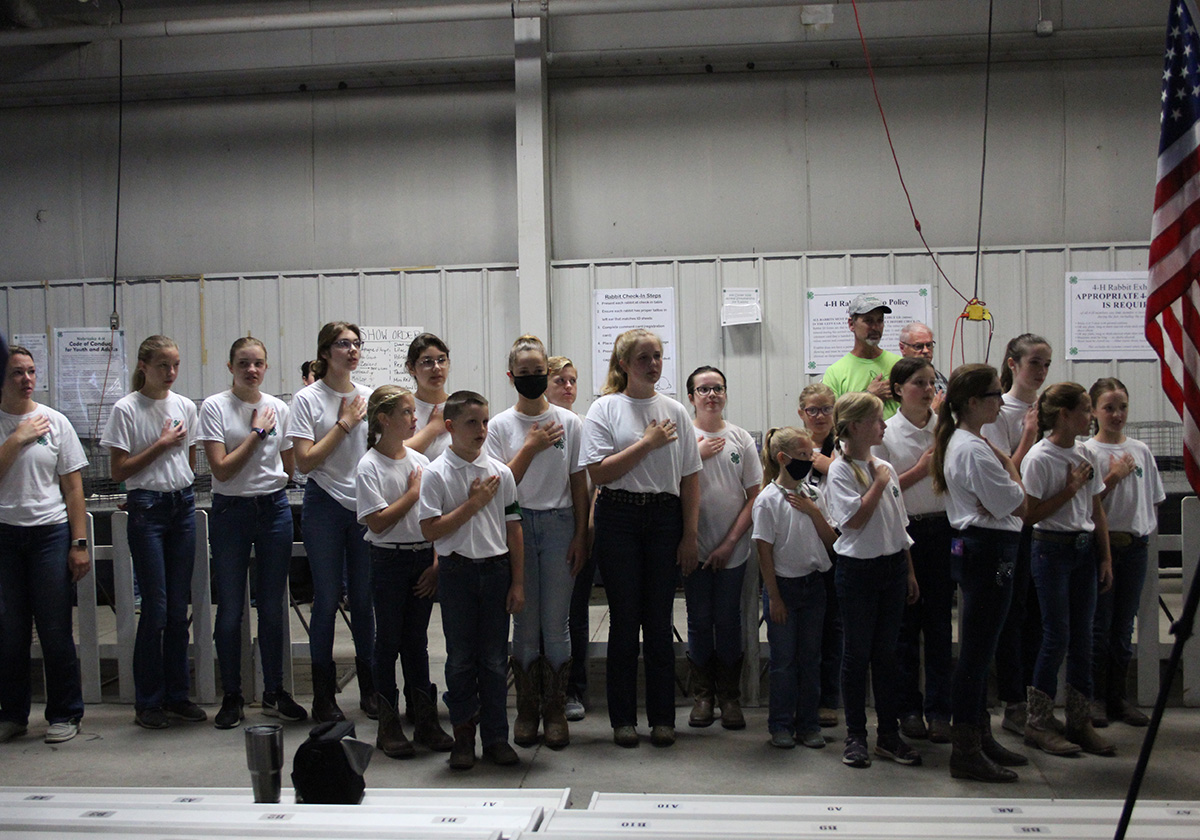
(558, 444)
(1138, 471)
(895, 491)
(44, 440)
(272, 432)
(735, 457)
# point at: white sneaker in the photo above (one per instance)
(574, 708)
(62, 731)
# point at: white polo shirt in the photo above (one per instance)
(1044, 472)
(974, 477)
(615, 422)
(30, 492)
(1130, 505)
(884, 533)
(798, 549)
(315, 410)
(226, 419)
(446, 484)
(903, 445)
(724, 480)
(380, 482)
(136, 422)
(546, 484)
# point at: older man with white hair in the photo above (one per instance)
(916, 341)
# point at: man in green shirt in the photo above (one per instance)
(867, 366)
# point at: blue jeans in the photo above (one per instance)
(1116, 609)
(401, 619)
(928, 620)
(1065, 577)
(240, 523)
(796, 654)
(636, 548)
(333, 539)
(985, 573)
(548, 587)
(35, 586)
(714, 614)
(831, 643)
(162, 542)
(1021, 636)
(872, 594)
(473, 597)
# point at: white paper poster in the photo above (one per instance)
(618, 310)
(37, 344)
(740, 306)
(90, 375)
(828, 337)
(384, 352)
(1106, 315)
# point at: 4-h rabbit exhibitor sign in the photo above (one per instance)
(1106, 316)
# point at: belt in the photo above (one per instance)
(1121, 539)
(1078, 539)
(933, 515)
(627, 497)
(421, 546)
(454, 555)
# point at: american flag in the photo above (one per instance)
(1173, 305)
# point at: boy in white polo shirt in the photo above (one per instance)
(469, 511)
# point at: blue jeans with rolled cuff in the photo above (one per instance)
(36, 587)
(545, 621)
(239, 524)
(333, 540)
(872, 593)
(927, 623)
(474, 596)
(795, 663)
(401, 619)
(1065, 576)
(984, 571)
(162, 542)
(1116, 609)
(714, 614)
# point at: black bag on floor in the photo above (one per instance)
(328, 767)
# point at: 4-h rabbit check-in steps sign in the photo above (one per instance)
(618, 310)
(827, 337)
(1106, 316)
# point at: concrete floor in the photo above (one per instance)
(112, 750)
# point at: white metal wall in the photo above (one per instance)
(475, 309)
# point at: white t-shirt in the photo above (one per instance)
(903, 445)
(884, 533)
(974, 476)
(546, 484)
(226, 419)
(380, 482)
(724, 479)
(440, 443)
(1130, 504)
(136, 422)
(1006, 431)
(315, 410)
(446, 484)
(1044, 472)
(30, 493)
(798, 549)
(615, 422)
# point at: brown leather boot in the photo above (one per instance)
(462, 754)
(428, 730)
(729, 693)
(325, 707)
(390, 736)
(967, 760)
(529, 701)
(1079, 725)
(554, 703)
(366, 688)
(1039, 731)
(993, 750)
(702, 694)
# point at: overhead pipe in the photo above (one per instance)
(450, 13)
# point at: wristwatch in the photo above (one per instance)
(81, 543)
(262, 433)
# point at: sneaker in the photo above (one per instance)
(855, 753)
(893, 747)
(813, 740)
(231, 712)
(281, 705)
(1014, 718)
(574, 708)
(62, 731)
(625, 736)
(783, 739)
(186, 710)
(662, 736)
(913, 726)
(827, 717)
(10, 729)
(154, 718)
(501, 753)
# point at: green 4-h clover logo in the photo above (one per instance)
(923, 292)
(812, 365)
(1074, 280)
(272, 432)
(736, 457)
(895, 491)
(1138, 471)
(43, 441)
(558, 444)
(1074, 351)
(811, 296)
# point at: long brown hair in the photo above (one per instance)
(1101, 387)
(145, 355)
(854, 407)
(1054, 400)
(965, 382)
(1016, 350)
(325, 339)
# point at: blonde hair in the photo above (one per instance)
(246, 341)
(383, 400)
(779, 440)
(816, 389)
(854, 407)
(524, 344)
(145, 355)
(556, 363)
(622, 349)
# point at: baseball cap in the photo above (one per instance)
(863, 304)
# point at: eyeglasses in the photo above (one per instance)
(815, 411)
(920, 345)
(705, 390)
(986, 394)
(429, 362)
(347, 343)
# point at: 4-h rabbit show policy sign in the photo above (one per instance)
(828, 337)
(1106, 315)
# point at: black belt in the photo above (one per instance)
(627, 497)
(1121, 539)
(932, 516)
(454, 555)
(1078, 539)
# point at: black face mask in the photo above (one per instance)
(797, 469)
(532, 386)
